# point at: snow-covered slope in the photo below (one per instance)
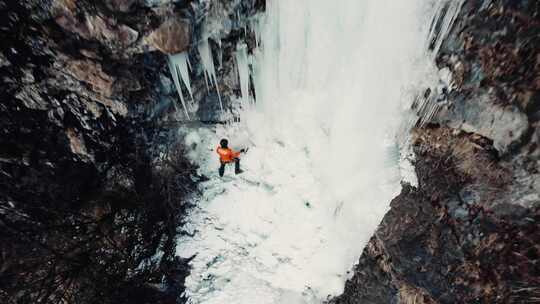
(334, 80)
(265, 236)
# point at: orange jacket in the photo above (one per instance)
(227, 155)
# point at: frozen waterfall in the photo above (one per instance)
(335, 81)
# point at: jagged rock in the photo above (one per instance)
(77, 145)
(505, 125)
(449, 241)
(92, 73)
(106, 31)
(82, 104)
(121, 5)
(171, 37)
(29, 96)
(81, 190)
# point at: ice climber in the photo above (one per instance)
(227, 156)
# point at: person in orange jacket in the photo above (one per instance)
(227, 156)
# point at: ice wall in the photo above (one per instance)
(337, 86)
(335, 80)
(243, 71)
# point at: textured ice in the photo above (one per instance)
(328, 140)
(207, 61)
(254, 25)
(445, 14)
(243, 70)
(178, 66)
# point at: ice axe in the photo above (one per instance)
(244, 150)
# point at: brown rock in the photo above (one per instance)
(409, 294)
(92, 73)
(460, 71)
(97, 28)
(60, 6)
(171, 37)
(89, 54)
(77, 144)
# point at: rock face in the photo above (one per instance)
(171, 37)
(469, 232)
(92, 182)
(88, 210)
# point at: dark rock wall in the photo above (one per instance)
(87, 212)
(93, 182)
(470, 232)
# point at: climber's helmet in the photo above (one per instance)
(224, 143)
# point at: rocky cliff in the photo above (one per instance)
(91, 188)
(93, 185)
(469, 232)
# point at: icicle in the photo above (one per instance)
(255, 28)
(442, 21)
(220, 55)
(209, 69)
(182, 63)
(219, 96)
(243, 70)
(178, 66)
(443, 18)
(206, 82)
(174, 74)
